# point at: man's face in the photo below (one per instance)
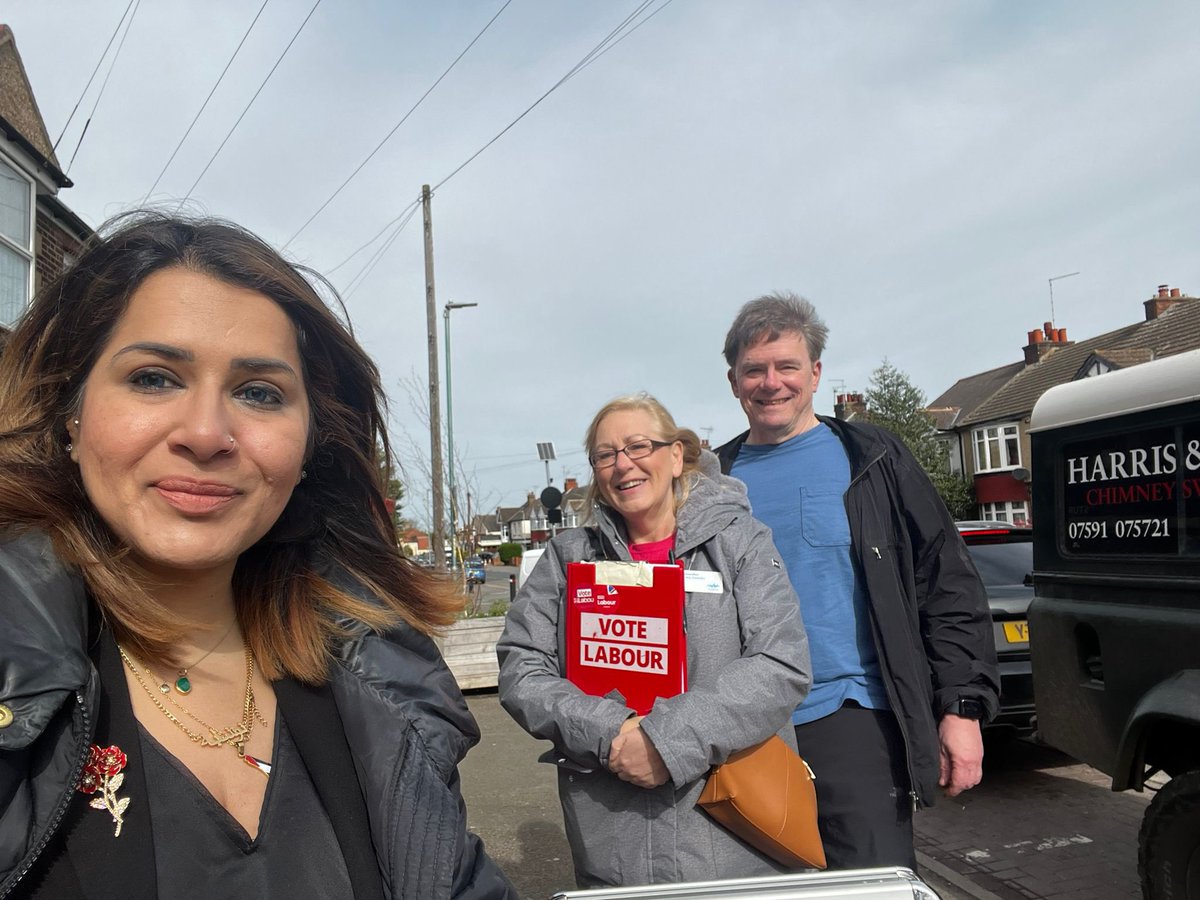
(775, 382)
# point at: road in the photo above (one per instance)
(1039, 827)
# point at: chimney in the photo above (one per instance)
(1044, 341)
(1164, 299)
(849, 406)
(570, 484)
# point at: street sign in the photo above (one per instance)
(551, 497)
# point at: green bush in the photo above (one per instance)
(508, 552)
(498, 608)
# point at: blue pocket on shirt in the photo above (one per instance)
(823, 518)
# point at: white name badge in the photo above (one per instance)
(695, 582)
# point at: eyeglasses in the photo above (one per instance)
(606, 459)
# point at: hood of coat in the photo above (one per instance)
(714, 501)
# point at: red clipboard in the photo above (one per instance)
(625, 631)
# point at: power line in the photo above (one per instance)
(251, 103)
(136, 6)
(396, 127)
(370, 266)
(608, 41)
(99, 62)
(412, 206)
(645, 19)
(204, 105)
(574, 69)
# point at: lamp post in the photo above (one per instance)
(450, 432)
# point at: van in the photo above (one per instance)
(1114, 624)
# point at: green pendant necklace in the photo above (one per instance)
(183, 684)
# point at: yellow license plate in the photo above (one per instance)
(1016, 632)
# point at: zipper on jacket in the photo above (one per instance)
(63, 804)
(879, 648)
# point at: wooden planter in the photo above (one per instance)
(469, 648)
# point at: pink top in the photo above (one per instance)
(654, 551)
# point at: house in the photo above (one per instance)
(414, 541)
(529, 525)
(39, 235)
(984, 418)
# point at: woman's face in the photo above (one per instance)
(641, 490)
(194, 423)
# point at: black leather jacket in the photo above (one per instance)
(403, 718)
(929, 610)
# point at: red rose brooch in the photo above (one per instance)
(102, 773)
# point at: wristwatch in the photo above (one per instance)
(967, 707)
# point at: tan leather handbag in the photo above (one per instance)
(765, 795)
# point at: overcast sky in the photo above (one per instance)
(918, 170)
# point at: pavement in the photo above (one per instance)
(1041, 826)
(512, 803)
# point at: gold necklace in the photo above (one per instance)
(182, 683)
(234, 735)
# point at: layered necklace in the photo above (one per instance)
(235, 736)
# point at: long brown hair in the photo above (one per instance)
(667, 431)
(330, 559)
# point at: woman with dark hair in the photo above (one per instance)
(628, 783)
(216, 675)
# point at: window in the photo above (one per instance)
(997, 447)
(1015, 512)
(16, 241)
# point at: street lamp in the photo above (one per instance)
(450, 431)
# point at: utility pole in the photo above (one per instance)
(435, 400)
(450, 436)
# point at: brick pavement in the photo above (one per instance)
(1040, 827)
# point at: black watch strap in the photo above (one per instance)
(967, 707)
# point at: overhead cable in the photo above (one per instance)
(91, 77)
(595, 51)
(251, 103)
(396, 127)
(610, 39)
(358, 279)
(104, 84)
(203, 105)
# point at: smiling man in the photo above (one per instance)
(904, 665)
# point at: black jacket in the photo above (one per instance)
(381, 741)
(929, 610)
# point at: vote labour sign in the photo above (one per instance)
(624, 631)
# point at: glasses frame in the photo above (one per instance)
(654, 446)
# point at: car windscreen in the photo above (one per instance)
(1003, 563)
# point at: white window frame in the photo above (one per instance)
(28, 251)
(1015, 512)
(995, 438)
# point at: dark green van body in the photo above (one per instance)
(1114, 624)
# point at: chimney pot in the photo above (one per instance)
(1162, 290)
(1062, 335)
(1036, 336)
(1174, 292)
(1048, 328)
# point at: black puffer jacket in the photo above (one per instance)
(929, 610)
(404, 721)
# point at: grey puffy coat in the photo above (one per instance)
(748, 668)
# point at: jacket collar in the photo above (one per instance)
(863, 444)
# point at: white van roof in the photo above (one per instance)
(1163, 382)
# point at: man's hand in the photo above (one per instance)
(633, 758)
(962, 754)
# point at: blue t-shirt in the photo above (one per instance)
(797, 488)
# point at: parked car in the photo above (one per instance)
(1003, 554)
(476, 573)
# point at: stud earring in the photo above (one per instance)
(70, 447)
(303, 474)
